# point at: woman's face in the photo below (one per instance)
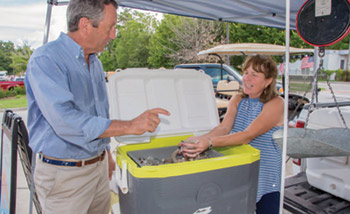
(254, 83)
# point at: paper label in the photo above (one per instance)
(323, 7)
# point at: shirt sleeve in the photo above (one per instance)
(50, 85)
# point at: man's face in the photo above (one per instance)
(100, 36)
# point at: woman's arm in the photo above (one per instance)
(270, 116)
(224, 128)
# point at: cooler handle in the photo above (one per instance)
(121, 177)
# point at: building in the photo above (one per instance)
(333, 60)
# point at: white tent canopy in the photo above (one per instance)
(270, 13)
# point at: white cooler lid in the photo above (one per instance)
(187, 94)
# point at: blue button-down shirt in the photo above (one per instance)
(67, 101)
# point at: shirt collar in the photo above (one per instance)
(74, 47)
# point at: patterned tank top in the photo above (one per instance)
(270, 154)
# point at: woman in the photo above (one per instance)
(252, 117)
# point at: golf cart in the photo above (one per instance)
(226, 88)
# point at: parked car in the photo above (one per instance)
(10, 85)
(214, 70)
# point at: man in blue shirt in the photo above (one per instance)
(68, 117)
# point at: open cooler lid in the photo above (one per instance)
(187, 94)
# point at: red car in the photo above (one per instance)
(10, 85)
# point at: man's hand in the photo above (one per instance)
(148, 121)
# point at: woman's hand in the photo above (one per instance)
(193, 146)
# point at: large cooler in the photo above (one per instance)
(224, 183)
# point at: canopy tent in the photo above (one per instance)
(253, 48)
(270, 13)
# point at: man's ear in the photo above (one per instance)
(84, 24)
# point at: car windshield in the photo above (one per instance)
(236, 74)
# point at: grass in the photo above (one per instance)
(19, 101)
(299, 87)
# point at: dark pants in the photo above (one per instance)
(268, 204)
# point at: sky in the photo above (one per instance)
(23, 21)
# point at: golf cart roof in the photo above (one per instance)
(253, 48)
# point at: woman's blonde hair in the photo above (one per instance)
(266, 65)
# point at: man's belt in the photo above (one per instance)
(62, 162)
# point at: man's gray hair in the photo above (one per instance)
(91, 9)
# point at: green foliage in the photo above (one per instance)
(20, 90)
(12, 93)
(247, 33)
(341, 45)
(6, 48)
(6, 93)
(133, 39)
(20, 58)
(160, 46)
(328, 73)
(340, 74)
(109, 57)
(14, 60)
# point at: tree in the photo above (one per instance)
(20, 58)
(6, 48)
(179, 39)
(109, 57)
(134, 32)
(160, 45)
(248, 33)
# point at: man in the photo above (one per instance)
(68, 113)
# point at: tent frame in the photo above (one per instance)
(51, 3)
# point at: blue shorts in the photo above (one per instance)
(269, 204)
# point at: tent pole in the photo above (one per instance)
(228, 41)
(286, 97)
(47, 22)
